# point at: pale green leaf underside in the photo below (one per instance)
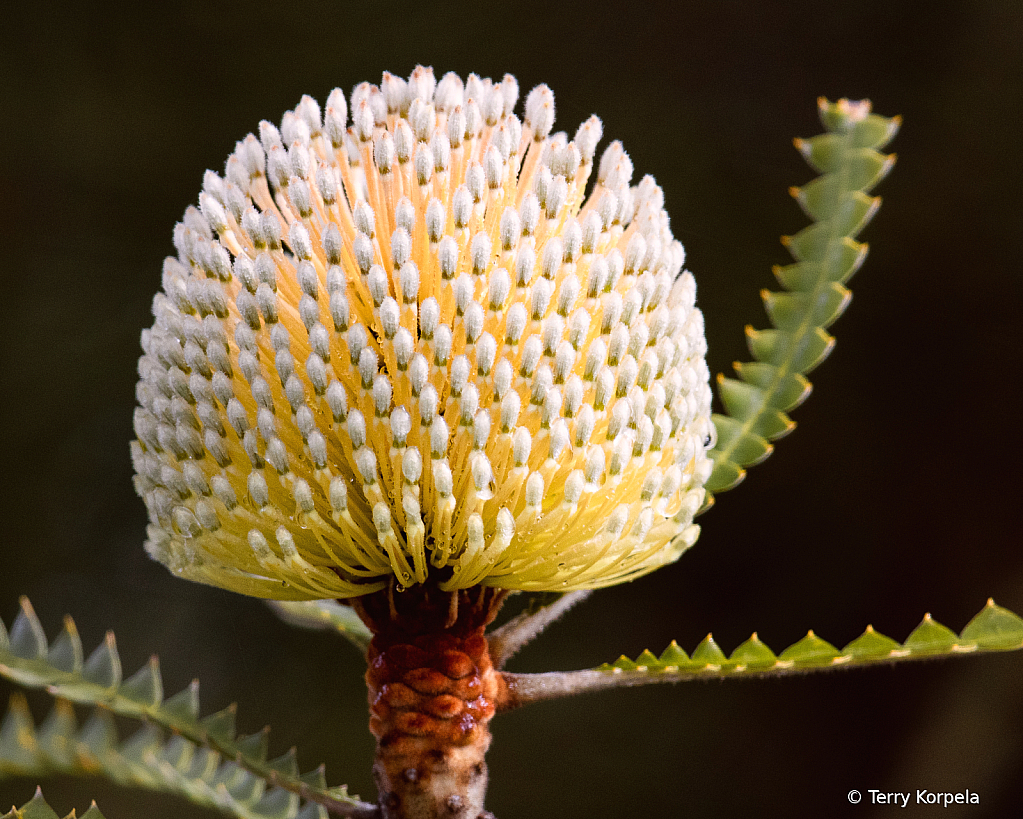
(37, 808)
(27, 658)
(328, 615)
(826, 256)
(147, 759)
(993, 629)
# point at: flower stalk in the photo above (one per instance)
(432, 693)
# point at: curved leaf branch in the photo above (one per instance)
(39, 808)
(324, 615)
(826, 256)
(28, 659)
(147, 760)
(993, 629)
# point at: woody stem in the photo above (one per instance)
(432, 693)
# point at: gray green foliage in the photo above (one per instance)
(993, 629)
(826, 256)
(148, 759)
(205, 759)
(37, 808)
(329, 615)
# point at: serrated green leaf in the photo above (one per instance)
(994, 628)
(27, 638)
(871, 645)
(66, 652)
(826, 200)
(286, 764)
(725, 475)
(37, 808)
(54, 737)
(826, 256)
(145, 741)
(753, 654)
(245, 787)
(673, 655)
(708, 653)
(822, 152)
(844, 258)
(98, 736)
(316, 778)
(931, 637)
(184, 705)
(799, 276)
(190, 763)
(203, 765)
(800, 353)
(874, 131)
(810, 652)
(145, 686)
(276, 804)
(741, 400)
(17, 738)
(866, 167)
(255, 745)
(177, 752)
(788, 311)
(221, 725)
(103, 668)
(785, 391)
(748, 448)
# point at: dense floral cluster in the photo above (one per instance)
(411, 345)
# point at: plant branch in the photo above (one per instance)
(27, 659)
(525, 627)
(993, 629)
(814, 296)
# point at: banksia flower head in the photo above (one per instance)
(399, 339)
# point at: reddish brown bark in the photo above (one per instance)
(432, 693)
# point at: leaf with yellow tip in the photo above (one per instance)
(708, 653)
(810, 652)
(38, 808)
(673, 655)
(202, 761)
(871, 645)
(753, 654)
(826, 255)
(931, 637)
(994, 629)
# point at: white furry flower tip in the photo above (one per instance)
(398, 338)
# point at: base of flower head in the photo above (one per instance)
(432, 693)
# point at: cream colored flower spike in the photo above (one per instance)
(412, 346)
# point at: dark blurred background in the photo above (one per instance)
(898, 494)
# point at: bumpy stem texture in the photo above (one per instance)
(432, 693)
